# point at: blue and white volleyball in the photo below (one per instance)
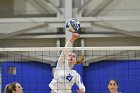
(73, 25)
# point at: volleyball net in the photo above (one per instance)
(50, 54)
(32, 66)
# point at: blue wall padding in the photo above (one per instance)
(33, 76)
(126, 72)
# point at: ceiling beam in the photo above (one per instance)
(119, 30)
(58, 9)
(109, 18)
(63, 36)
(31, 20)
(79, 10)
(99, 8)
(62, 20)
(68, 15)
(39, 3)
(7, 35)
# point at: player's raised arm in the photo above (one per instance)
(65, 53)
(72, 26)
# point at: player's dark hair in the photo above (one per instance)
(10, 87)
(115, 82)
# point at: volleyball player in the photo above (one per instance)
(65, 76)
(14, 87)
(113, 86)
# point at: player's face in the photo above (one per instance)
(72, 58)
(19, 88)
(112, 86)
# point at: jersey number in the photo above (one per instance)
(69, 77)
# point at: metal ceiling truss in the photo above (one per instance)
(62, 16)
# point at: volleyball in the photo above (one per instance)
(73, 25)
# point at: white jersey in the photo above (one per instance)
(64, 77)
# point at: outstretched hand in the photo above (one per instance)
(80, 91)
(74, 37)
